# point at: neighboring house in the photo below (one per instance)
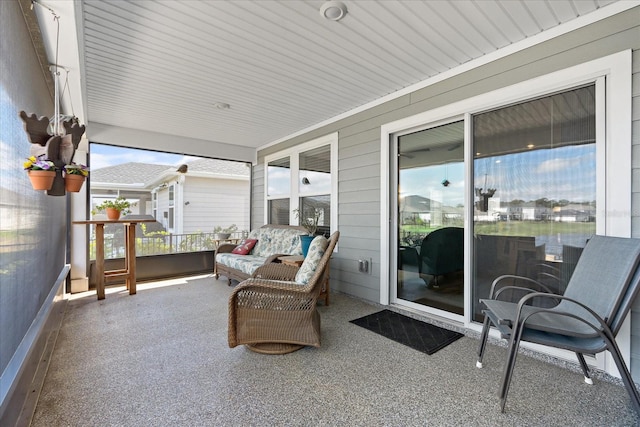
(532, 212)
(211, 193)
(131, 180)
(415, 207)
(428, 211)
(574, 215)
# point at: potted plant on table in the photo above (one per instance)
(223, 233)
(74, 176)
(308, 219)
(41, 170)
(114, 208)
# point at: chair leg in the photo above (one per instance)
(483, 341)
(585, 369)
(624, 373)
(512, 354)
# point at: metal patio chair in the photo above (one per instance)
(587, 318)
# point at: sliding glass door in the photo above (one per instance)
(531, 194)
(534, 185)
(430, 203)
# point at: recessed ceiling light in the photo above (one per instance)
(222, 105)
(530, 146)
(333, 10)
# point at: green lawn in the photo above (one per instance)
(516, 228)
(534, 228)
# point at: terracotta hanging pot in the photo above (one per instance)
(112, 213)
(41, 179)
(73, 183)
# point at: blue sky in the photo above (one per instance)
(561, 173)
(108, 155)
(427, 182)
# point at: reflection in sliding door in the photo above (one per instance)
(430, 218)
(535, 189)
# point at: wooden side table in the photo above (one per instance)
(294, 260)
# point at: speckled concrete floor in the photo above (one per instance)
(160, 358)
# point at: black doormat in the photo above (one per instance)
(418, 335)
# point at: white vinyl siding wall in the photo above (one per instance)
(214, 202)
(163, 206)
(257, 196)
(359, 211)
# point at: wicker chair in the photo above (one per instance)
(272, 314)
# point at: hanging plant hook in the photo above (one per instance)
(59, 137)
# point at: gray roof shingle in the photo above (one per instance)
(221, 167)
(145, 173)
(129, 173)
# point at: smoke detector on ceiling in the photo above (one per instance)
(333, 10)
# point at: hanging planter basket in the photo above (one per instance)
(41, 179)
(73, 183)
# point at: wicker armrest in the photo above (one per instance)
(274, 258)
(226, 248)
(257, 284)
(271, 294)
(276, 271)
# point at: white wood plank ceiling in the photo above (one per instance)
(163, 65)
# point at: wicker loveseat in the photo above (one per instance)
(273, 241)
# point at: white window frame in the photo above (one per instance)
(171, 196)
(154, 200)
(171, 219)
(294, 193)
(612, 76)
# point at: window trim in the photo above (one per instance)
(154, 203)
(294, 193)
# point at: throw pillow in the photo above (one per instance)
(244, 247)
(308, 268)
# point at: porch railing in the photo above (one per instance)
(160, 244)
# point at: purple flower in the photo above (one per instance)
(39, 163)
